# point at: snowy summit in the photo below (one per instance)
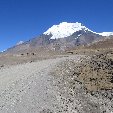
(65, 29)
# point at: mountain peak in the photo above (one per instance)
(65, 29)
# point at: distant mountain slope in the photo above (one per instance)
(102, 44)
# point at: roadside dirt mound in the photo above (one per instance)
(97, 73)
(85, 84)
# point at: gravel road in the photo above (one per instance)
(28, 88)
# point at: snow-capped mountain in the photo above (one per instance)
(65, 29)
(61, 37)
(106, 33)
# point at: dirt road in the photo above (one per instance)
(28, 88)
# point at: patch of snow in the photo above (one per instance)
(106, 33)
(2, 51)
(78, 36)
(20, 42)
(65, 29)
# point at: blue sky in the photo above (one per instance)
(25, 19)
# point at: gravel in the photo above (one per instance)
(28, 88)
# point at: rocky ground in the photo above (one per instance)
(69, 84)
(86, 85)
